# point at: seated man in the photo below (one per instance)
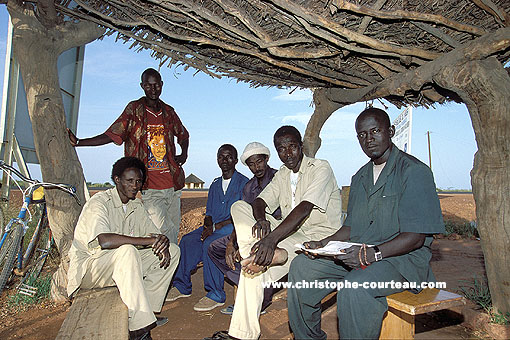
(393, 205)
(224, 252)
(306, 191)
(117, 244)
(224, 191)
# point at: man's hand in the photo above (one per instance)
(181, 159)
(72, 138)
(165, 259)
(263, 251)
(232, 255)
(312, 245)
(351, 257)
(261, 229)
(161, 243)
(160, 249)
(208, 231)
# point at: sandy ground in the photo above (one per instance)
(453, 260)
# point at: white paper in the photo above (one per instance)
(332, 248)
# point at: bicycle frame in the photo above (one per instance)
(18, 226)
(21, 220)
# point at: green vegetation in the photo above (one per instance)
(467, 229)
(99, 185)
(499, 318)
(43, 285)
(453, 190)
(478, 292)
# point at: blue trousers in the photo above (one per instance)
(193, 250)
(360, 311)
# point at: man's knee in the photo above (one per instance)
(127, 256)
(213, 249)
(241, 208)
(298, 267)
(128, 250)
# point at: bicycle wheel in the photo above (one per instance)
(34, 267)
(35, 242)
(9, 252)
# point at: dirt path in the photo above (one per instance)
(453, 260)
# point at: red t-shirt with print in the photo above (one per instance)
(158, 170)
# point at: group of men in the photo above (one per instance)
(251, 226)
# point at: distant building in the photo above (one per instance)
(193, 182)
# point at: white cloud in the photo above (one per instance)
(301, 118)
(297, 95)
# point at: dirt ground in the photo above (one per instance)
(453, 260)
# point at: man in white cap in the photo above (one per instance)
(224, 252)
(305, 189)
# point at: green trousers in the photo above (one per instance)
(360, 310)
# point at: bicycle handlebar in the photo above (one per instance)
(35, 183)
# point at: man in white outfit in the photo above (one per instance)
(116, 244)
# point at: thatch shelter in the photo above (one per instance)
(406, 51)
(193, 182)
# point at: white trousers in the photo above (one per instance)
(250, 293)
(164, 208)
(136, 273)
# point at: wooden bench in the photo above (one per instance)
(399, 322)
(97, 314)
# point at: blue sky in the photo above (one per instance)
(217, 111)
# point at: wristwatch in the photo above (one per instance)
(378, 255)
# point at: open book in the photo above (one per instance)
(331, 249)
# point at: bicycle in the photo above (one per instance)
(12, 239)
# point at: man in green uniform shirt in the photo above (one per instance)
(393, 205)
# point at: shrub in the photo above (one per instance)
(467, 229)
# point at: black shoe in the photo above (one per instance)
(221, 335)
(160, 321)
(142, 333)
(139, 335)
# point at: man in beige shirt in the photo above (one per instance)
(306, 191)
(116, 244)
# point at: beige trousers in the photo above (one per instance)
(164, 208)
(136, 273)
(250, 293)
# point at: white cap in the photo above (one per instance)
(254, 148)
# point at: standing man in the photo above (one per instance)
(224, 191)
(306, 191)
(393, 205)
(148, 128)
(116, 244)
(224, 252)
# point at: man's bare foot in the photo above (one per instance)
(280, 257)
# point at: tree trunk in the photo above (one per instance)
(485, 88)
(37, 49)
(324, 108)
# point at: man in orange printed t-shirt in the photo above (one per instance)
(148, 128)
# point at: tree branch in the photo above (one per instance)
(478, 49)
(340, 30)
(47, 14)
(408, 15)
(438, 34)
(493, 9)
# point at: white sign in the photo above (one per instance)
(14, 118)
(403, 127)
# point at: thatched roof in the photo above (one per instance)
(303, 43)
(193, 179)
